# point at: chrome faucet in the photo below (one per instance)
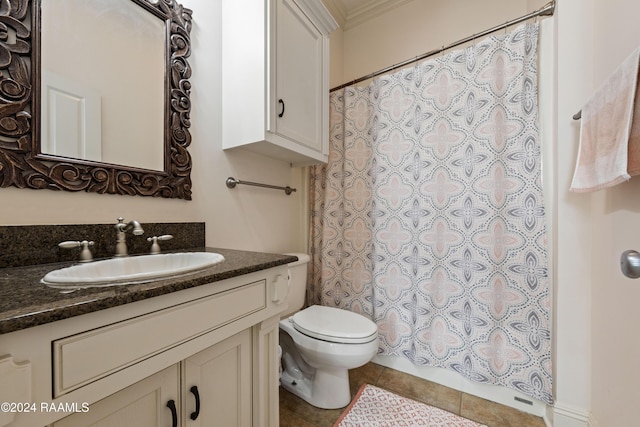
(155, 246)
(85, 253)
(121, 229)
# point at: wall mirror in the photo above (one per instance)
(95, 96)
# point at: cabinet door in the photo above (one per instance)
(217, 382)
(266, 378)
(144, 404)
(299, 77)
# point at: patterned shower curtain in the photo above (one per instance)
(429, 216)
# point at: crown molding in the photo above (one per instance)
(350, 14)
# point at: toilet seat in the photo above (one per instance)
(334, 325)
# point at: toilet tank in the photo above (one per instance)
(297, 283)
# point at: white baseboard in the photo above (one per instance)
(567, 416)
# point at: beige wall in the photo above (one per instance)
(596, 306)
(246, 217)
(420, 26)
(616, 214)
(573, 246)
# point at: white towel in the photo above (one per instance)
(605, 127)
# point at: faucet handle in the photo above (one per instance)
(85, 253)
(155, 247)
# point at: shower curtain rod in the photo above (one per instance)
(546, 10)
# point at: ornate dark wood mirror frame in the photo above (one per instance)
(21, 163)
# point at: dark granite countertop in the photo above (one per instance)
(25, 302)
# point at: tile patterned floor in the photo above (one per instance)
(295, 412)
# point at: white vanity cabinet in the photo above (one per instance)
(143, 404)
(218, 384)
(210, 388)
(211, 350)
(275, 66)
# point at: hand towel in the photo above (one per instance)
(605, 129)
(633, 152)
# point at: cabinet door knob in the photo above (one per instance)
(281, 102)
(194, 414)
(174, 413)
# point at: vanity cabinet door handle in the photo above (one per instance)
(174, 413)
(194, 414)
(281, 102)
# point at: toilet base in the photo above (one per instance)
(316, 370)
(327, 389)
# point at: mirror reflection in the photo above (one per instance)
(102, 82)
(23, 164)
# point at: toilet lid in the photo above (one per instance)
(334, 325)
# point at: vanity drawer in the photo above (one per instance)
(88, 356)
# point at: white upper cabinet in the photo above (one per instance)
(275, 72)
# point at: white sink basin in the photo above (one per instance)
(128, 270)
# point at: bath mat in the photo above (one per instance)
(375, 407)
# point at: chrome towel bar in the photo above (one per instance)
(232, 182)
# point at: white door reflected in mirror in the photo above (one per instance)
(102, 82)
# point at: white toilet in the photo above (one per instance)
(320, 344)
